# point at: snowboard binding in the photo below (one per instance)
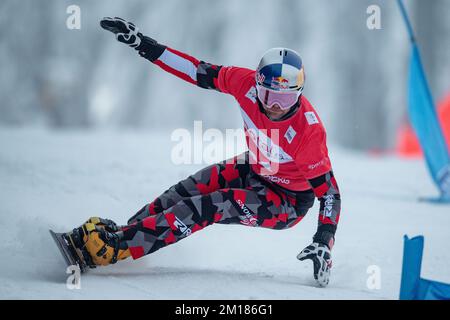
(96, 242)
(71, 246)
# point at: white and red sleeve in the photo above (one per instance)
(179, 64)
(200, 73)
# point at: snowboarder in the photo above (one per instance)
(272, 185)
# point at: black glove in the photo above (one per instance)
(129, 34)
(320, 255)
(125, 31)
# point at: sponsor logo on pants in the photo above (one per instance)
(248, 219)
(184, 229)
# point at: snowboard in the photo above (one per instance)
(68, 251)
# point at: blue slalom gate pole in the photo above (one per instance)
(424, 119)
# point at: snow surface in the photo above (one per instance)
(57, 179)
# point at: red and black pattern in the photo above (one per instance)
(228, 193)
(327, 191)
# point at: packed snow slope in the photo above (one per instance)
(58, 179)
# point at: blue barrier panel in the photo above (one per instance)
(412, 286)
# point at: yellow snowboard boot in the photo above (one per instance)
(98, 243)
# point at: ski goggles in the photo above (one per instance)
(284, 99)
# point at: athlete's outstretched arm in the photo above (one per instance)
(190, 69)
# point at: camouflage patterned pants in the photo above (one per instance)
(228, 193)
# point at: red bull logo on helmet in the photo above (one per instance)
(280, 83)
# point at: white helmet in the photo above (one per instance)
(280, 78)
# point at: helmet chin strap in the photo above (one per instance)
(289, 114)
